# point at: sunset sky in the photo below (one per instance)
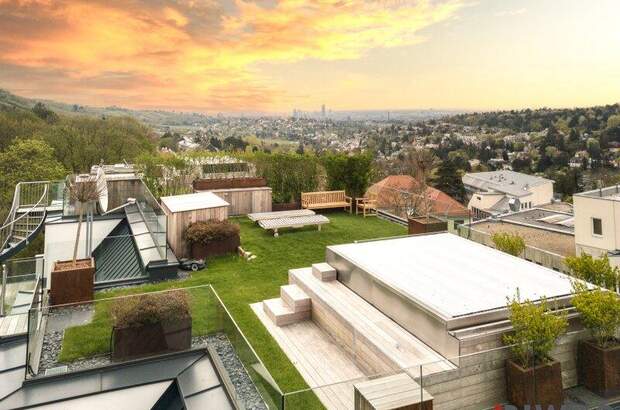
(276, 55)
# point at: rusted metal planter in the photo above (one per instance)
(72, 284)
(599, 369)
(150, 339)
(216, 248)
(539, 385)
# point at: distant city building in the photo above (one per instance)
(499, 192)
(323, 110)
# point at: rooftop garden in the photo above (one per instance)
(239, 283)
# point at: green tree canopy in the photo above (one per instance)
(351, 172)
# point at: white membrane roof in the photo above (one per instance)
(453, 275)
(192, 202)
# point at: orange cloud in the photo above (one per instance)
(191, 55)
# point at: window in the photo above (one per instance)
(597, 226)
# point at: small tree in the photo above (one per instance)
(83, 191)
(535, 331)
(422, 163)
(597, 271)
(509, 243)
(600, 312)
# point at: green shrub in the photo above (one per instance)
(209, 231)
(150, 308)
(511, 244)
(535, 331)
(597, 271)
(600, 312)
(349, 172)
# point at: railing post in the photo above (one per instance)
(3, 290)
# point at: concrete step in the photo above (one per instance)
(281, 314)
(324, 271)
(295, 298)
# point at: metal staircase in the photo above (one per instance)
(31, 203)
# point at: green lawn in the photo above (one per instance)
(240, 283)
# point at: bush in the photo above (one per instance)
(151, 308)
(210, 231)
(351, 172)
(535, 331)
(287, 174)
(511, 244)
(600, 313)
(596, 271)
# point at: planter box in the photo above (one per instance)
(72, 284)
(216, 248)
(223, 183)
(599, 369)
(289, 206)
(138, 341)
(540, 385)
(423, 224)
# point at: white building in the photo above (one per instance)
(498, 192)
(597, 223)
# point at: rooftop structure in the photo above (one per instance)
(460, 282)
(192, 202)
(596, 229)
(497, 192)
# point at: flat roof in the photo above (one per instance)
(192, 202)
(543, 219)
(453, 276)
(510, 182)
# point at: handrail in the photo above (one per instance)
(7, 229)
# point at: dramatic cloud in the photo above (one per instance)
(185, 54)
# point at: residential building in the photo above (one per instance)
(597, 223)
(499, 192)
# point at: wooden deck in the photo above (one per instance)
(13, 325)
(319, 360)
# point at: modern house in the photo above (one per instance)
(597, 223)
(498, 192)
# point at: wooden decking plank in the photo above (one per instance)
(319, 360)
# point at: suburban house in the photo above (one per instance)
(596, 225)
(400, 195)
(498, 192)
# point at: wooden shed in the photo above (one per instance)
(245, 201)
(183, 210)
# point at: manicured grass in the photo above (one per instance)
(240, 283)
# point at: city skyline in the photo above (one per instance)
(270, 56)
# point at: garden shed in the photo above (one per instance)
(183, 210)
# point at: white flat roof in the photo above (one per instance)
(192, 202)
(453, 275)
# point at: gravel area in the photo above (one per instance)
(244, 387)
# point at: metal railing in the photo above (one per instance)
(30, 200)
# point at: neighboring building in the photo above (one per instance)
(597, 223)
(548, 234)
(399, 195)
(499, 192)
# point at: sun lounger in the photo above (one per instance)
(262, 216)
(293, 222)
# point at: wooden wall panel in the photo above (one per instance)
(244, 201)
(178, 223)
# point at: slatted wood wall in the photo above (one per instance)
(245, 201)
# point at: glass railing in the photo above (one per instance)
(122, 329)
(17, 283)
(481, 380)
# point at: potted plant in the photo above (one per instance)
(212, 238)
(73, 280)
(598, 359)
(150, 324)
(532, 376)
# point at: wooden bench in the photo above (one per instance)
(367, 205)
(326, 200)
(262, 216)
(293, 222)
